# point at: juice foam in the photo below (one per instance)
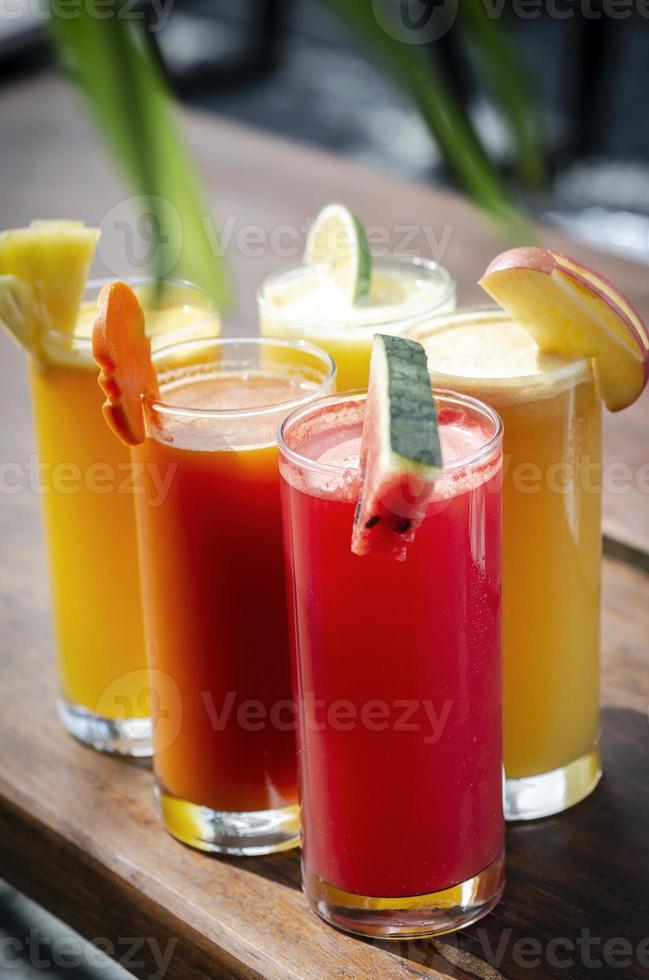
(394, 294)
(332, 439)
(219, 391)
(305, 302)
(257, 395)
(498, 361)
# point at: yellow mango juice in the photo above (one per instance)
(552, 548)
(88, 488)
(90, 526)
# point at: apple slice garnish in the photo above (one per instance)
(572, 310)
(123, 352)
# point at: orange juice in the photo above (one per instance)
(220, 529)
(214, 594)
(88, 487)
(552, 545)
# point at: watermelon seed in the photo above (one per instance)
(372, 521)
(403, 526)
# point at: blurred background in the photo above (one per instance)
(535, 106)
(555, 91)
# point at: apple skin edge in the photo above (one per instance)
(547, 262)
(607, 291)
(528, 257)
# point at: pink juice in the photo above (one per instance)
(397, 664)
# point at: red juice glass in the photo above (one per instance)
(397, 676)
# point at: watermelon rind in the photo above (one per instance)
(400, 452)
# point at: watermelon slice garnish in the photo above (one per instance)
(123, 352)
(400, 449)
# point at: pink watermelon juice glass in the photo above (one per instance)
(398, 679)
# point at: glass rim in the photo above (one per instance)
(93, 285)
(179, 411)
(430, 266)
(488, 311)
(360, 394)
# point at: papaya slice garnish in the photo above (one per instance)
(122, 350)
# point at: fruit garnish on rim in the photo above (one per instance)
(400, 449)
(123, 352)
(22, 311)
(337, 241)
(43, 274)
(572, 310)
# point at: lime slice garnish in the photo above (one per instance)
(338, 241)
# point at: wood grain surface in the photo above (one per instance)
(80, 833)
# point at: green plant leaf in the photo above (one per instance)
(509, 89)
(109, 56)
(459, 143)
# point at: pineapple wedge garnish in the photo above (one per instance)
(22, 311)
(43, 273)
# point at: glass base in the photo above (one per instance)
(412, 917)
(123, 736)
(242, 834)
(552, 792)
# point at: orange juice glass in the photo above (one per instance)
(88, 486)
(214, 589)
(551, 412)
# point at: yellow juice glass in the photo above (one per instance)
(551, 412)
(88, 486)
(303, 302)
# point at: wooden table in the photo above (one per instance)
(79, 832)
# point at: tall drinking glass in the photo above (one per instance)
(398, 680)
(88, 488)
(214, 589)
(303, 301)
(552, 549)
